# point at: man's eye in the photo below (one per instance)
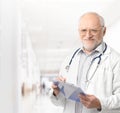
(94, 30)
(83, 30)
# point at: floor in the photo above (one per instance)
(41, 104)
(44, 105)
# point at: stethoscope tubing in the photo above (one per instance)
(68, 66)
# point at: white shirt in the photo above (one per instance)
(83, 69)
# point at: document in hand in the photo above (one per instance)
(70, 91)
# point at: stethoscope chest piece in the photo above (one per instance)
(67, 68)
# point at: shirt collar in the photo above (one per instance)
(100, 48)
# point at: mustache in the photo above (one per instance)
(88, 38)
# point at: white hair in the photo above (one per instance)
(102, 22)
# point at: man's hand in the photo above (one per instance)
(55, 90)
(55, 87)
(61, 79)
(90, 101)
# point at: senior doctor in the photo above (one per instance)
(95, 67)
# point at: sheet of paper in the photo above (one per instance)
(69, 90)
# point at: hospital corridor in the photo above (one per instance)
(35, 38)
(42, 104)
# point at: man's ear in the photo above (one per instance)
(104, 31)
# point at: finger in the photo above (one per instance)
(54, 86)
(83, 97)
(86, 97)
(83, 102)
(60, 78)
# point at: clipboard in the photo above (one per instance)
(70, 91)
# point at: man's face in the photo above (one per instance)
(91, 32)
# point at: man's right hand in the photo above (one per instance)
(55, 90)
(55, 87)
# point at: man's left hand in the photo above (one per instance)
(90, 101)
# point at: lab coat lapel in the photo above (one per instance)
(74, 70)
(95, 64)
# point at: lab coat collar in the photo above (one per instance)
(100, 48)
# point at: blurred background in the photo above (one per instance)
(35, 37)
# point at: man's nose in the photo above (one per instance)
(88, 33)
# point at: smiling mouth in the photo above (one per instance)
(91, 39)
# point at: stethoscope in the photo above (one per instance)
(99, 57)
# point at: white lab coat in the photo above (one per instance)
(105, 84)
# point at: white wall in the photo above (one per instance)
(112, 36)
(9, 36)
(11, 59)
